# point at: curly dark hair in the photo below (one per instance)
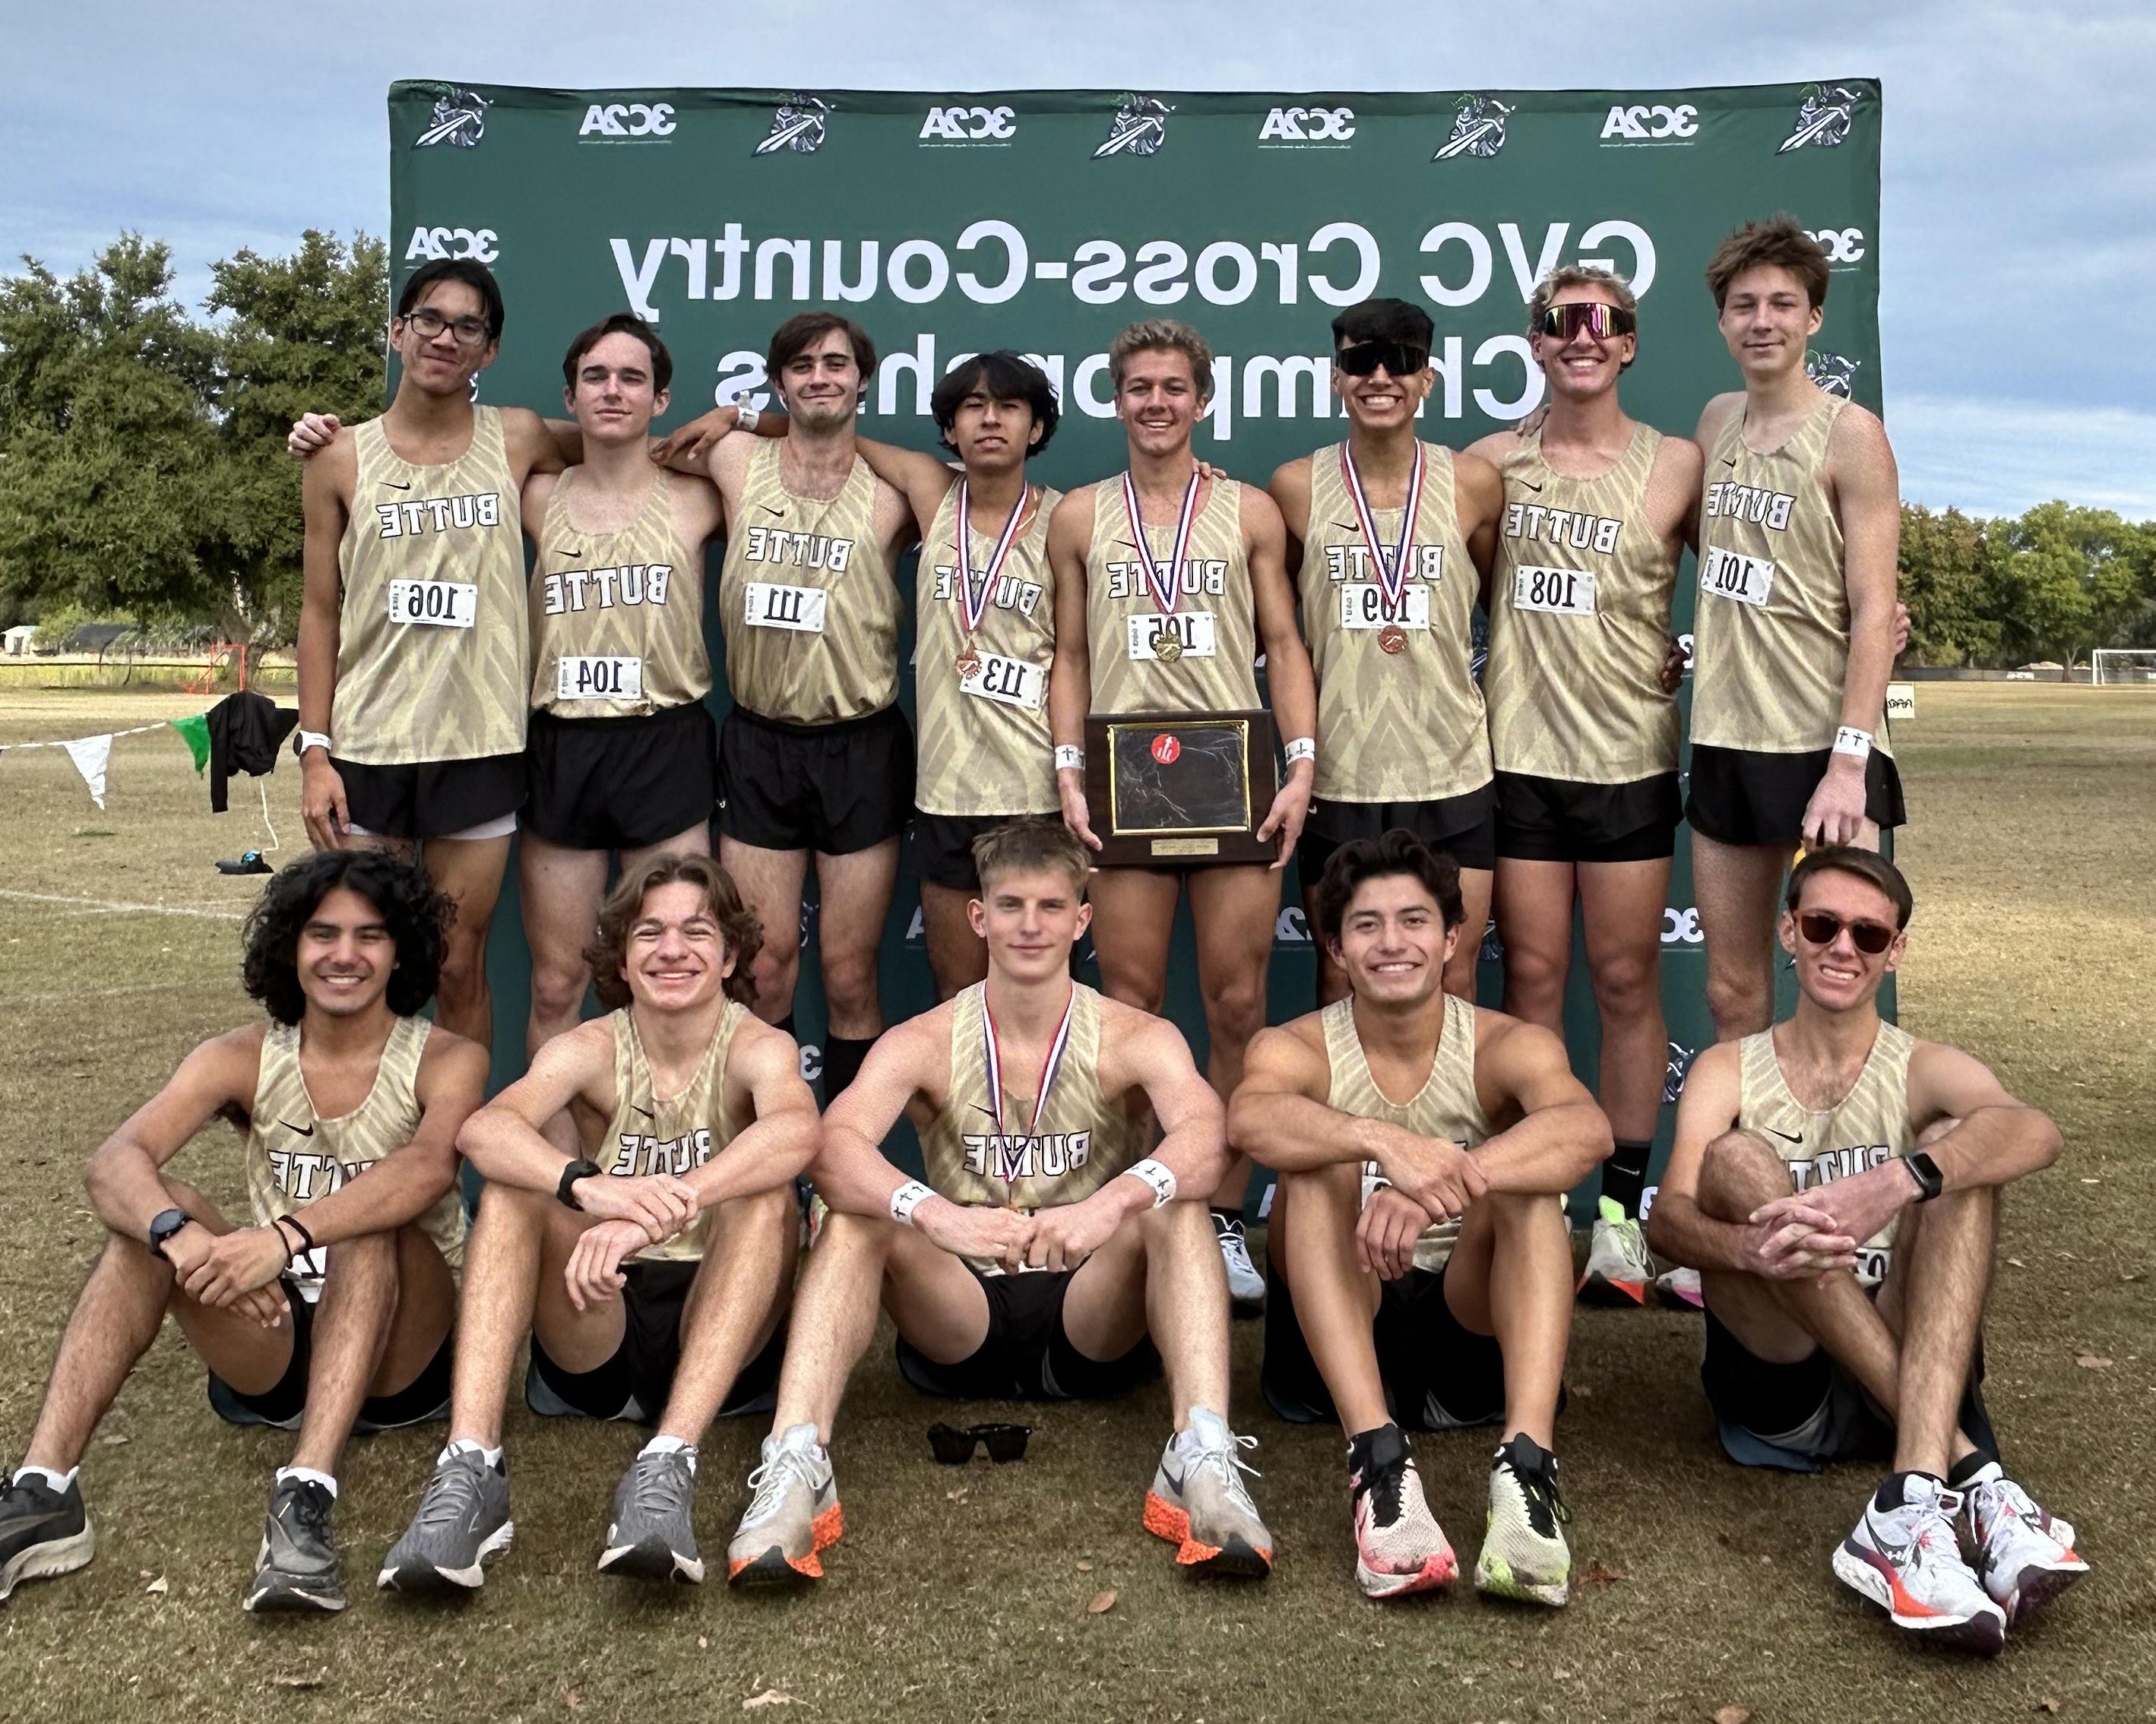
(1397, 851)
(738, 925)
(417, 915)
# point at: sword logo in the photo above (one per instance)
(1823, 118)
(460, 118)
(798, 125)
(1478, 129)
(1140, 127)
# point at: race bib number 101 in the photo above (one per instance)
(1729, 574)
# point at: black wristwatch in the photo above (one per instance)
(578, 1169)
(163, 1225)
(1930, 1182)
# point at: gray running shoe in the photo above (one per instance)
(1200, 1505)
(793, 1518)
(42, 1532)
(653, 1535)
(296, 1568)
(463, 1519)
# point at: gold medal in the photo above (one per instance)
(966, 664)
(1393, 638)
(1167, 646)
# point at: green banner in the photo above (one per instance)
(1045, 220)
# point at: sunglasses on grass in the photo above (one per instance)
(954, 1447)
(1562, 322)
(1819, 928)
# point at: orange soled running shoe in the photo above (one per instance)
(1198, 1501)
(793, 1518)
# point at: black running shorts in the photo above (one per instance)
(1439, 1374)
(1464, 827)
(432, 798)
(422, 1401)
(1743, 796)
(634, 1385)
(622, 784)
(1797, 1417)
(940, 847)
(833, 788)
(1026, 1356)
(1562, 820)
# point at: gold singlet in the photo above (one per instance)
(1215, 621)
(1082, 1140)
(1445, 1107)
(985, 747)
(1868, 1126)
(617, 618)
(1579, 621)
(295, 1157)
(806, 601)
(1770, 646)
(1397, 726)
(433, 640)
(651, 1133)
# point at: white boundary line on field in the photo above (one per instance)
(215, 916)
(8, 1000)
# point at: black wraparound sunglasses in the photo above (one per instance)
(954, 1447)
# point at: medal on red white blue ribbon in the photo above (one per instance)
(1393, 580)
(973, 596)
(1010, 1153)
(1167, 590)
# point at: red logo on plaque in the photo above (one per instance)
(1165, 749)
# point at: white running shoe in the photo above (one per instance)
(2025, 1555)
(1907, 1560)
(1524, 1554)
(793, 1518)
(1399, 1547)
(1619, 1269)
(1200, 1505)
(1246, 1287)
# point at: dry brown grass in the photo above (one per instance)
(961, 1595)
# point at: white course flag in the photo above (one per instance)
(90, 755)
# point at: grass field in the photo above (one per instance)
(963, 1595)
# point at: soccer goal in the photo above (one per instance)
(2122, 665)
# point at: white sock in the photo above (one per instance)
(311, 1476)
(1207, 1430)
(59, 1481)
(801, 1437)
(465, 1445)
(663, 1445)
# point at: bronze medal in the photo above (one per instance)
(966, 664)
(1393, 638)
(1167, 646)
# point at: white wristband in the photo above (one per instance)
(1159, 1177)
(1301, 748)
(313, 739)
(745, 416)
(1069, 759)
(1856, 744)
(908, 1198)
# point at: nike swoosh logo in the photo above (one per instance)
(1175, 1480)
(1348, 526)
(977, 1108)
(1526, 486)
(768, 510)
(1729, 460)
(568, 551)
(304, 1130)
(391, 485)
(645, 1111)
(1798, 1138)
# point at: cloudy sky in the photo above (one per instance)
(2019, 197)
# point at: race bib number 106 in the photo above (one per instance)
(440, 604)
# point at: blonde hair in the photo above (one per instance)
(1163, 334)
(1030, 847)
(1578, 275)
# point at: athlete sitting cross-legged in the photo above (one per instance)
(1836, 1181)
(651, 1271)
(332, 1313)
(1045, 1260)
(1420, 1240)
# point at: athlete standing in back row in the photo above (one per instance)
(414, 647)
(1583, 724)
(1799, 525)
(1137, 631)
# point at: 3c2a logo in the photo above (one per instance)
(1645, 123)
(1842, 245)
(628, 120)
(961, 125)
(1308, 125)
(1681, 927)
(478, 243)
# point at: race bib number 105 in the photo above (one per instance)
(1729, 574)
(440, 604)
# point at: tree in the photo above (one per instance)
(1944, 568)
(2044, 574)
(305, 333)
